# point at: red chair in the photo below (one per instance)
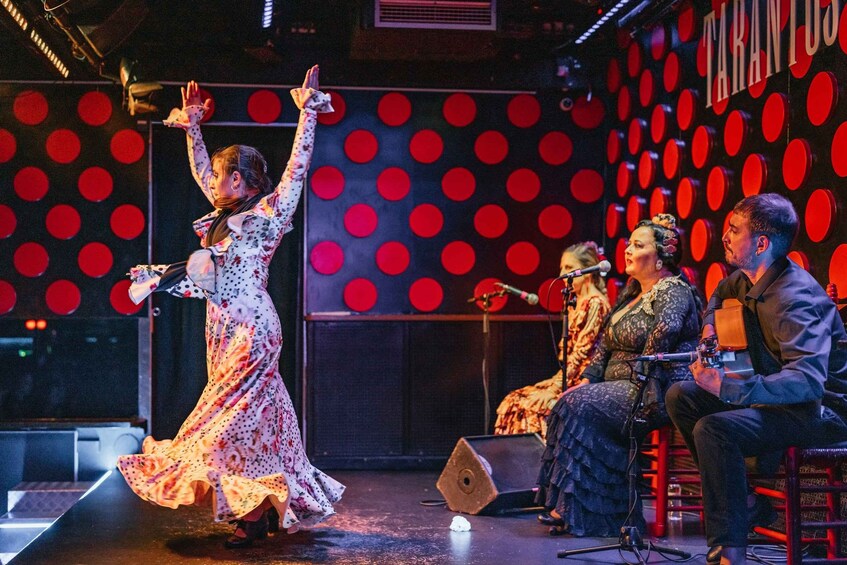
(829, 459)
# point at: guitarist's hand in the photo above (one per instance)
(707, 378)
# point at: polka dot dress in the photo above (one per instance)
(241, 443)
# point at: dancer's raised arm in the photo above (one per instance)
(188, 118)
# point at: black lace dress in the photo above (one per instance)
(583, 475)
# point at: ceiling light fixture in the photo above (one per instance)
(267, 14)
(51, 56)
(15, 13)
(603, 19)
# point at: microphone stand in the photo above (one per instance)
(568, 299)
(486, 346)
(630, 538)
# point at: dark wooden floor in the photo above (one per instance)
(380, 520)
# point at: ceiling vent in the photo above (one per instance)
(436, 14)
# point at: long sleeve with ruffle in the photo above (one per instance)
(583, 337)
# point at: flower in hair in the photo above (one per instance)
(667, 221)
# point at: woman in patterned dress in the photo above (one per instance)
(583, 479)
(525, 410)
(240, 448)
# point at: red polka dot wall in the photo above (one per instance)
(668, 150)
(73, 204)
(418, 201)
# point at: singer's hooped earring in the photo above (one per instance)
(659, 265)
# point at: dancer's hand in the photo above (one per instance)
(191, 96)
(311, 80)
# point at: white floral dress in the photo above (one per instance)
(241, 443)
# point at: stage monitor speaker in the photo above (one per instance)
(492, 473)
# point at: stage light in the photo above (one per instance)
(267, 14)
(51, 56)
(15, 13)
(138, 96)
(41, 324)
(29, 324)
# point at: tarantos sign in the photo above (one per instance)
(766, 40)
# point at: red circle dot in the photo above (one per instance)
(614, 219)
(8, 297)
(31, 184)
(659, 41)
(659, 122)
(339, 106)
(360, 220)
(393, 184)
(458, 257)
(671, 157)
(206, 95)
(821, 210)
(360, 146)
(800, 258)
(754, 175)
(701, 56)
(635, 211)
(822, 98)
(555, 221)
(671, 74)
(774, 116)
(8, 145)
(491, 147)
(8, 221)
(839, 148)
(718, 105)
(633, 59)
(127, 221)
(646, 88)
(735, 132)
(491, 221)
(459, 109)
(804, 60)
(587, 186)
(95, 184)
(326, 257)
(30, 107)
(127, 146)
(486, 286)
(796, 163)
(426, 294)
(426, 146)
(701, 145)
(624, 103)
(620, 255)
(95, 259)
(264, 106)
(647, 168)
(31, 259)
(659, 201)
(523, 185)
(613, 146)
(686, 22)
(63, 221)
(623, 180)
(458, 184)
(426, 220)
(523, 110)
(701, 239)
(119, 299)
(327, 182)
(686, 197)
(63, 146)
(636, 133)
(523, 258)
(394, 109)
(94, 108)
(360, 295)
(842, 31)
(838, 269)
(686, 109)
(550, 294)
(717, 187)
(392, 258)
(555, 148)
(613, 76)
(756, 89)
(715, 274)
(726, 222)
(63, 297)
(588, 114)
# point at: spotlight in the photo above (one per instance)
(139, 96)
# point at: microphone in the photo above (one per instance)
(688, 357)
(603, 266)
(530, 297)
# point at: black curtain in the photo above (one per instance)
(179, 350)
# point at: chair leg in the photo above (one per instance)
(663, 453)
(793, 531)
(833, 512)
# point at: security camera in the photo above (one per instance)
(566, 104)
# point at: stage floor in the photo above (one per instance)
(380, 521)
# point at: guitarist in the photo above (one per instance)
(799, 375)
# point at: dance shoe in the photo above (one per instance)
(273, 520)
(713, 556)
(253, 530)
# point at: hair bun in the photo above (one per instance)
(667, 221)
